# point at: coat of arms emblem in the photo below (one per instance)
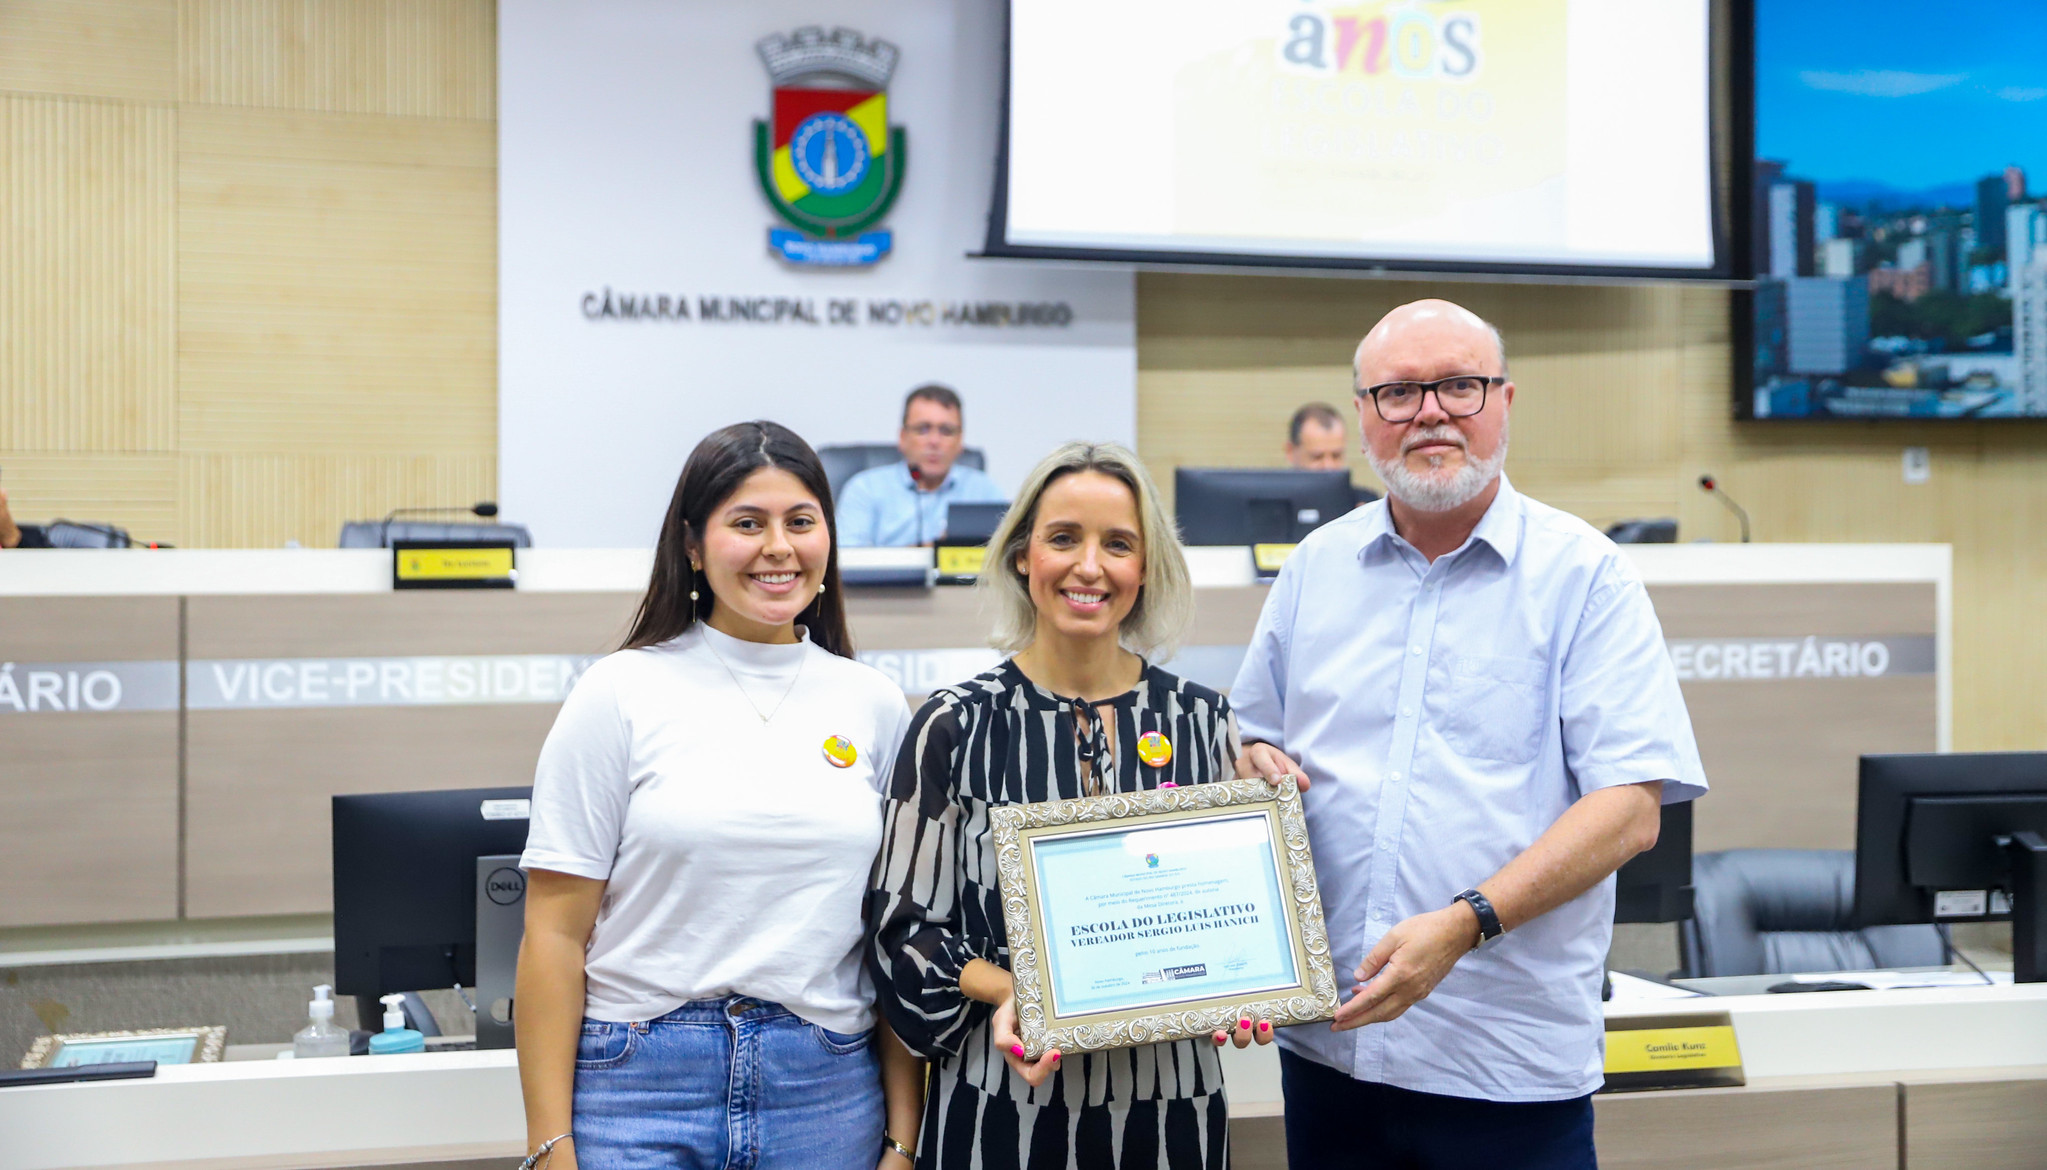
(829, 162)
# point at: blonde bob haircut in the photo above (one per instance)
(1165, 602)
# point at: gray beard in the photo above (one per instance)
(1438, 492)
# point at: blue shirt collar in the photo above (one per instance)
(1499, 529)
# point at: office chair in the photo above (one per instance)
(1785, 911)
(843, 461)
(1643, 532)
(379, 534)
(78, 534)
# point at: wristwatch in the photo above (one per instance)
(1489, 927)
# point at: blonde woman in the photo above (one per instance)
(1088, 580)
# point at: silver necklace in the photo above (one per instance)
(731, 674)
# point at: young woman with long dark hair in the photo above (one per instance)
(706, 812)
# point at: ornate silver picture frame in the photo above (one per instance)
(1112, 944)
(204, 1044)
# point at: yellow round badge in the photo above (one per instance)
(1154, 749)
(840, 751)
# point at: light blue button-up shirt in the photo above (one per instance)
(1447, 714)
(882, 507)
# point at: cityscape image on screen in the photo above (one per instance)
(1900, 254)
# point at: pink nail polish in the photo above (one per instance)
(1265, 1025)
(1017, 1048)
(1244, 1023)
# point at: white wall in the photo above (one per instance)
(626, 162)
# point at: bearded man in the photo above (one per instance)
(1477, 689)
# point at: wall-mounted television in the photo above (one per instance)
(1898, 221)
(1538, 137)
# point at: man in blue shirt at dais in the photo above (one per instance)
(905, 503)
(1477, 689)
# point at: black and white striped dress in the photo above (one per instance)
(999, 738)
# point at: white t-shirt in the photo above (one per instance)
(737, 853)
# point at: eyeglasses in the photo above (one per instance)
(1460, 396)
(942, 430)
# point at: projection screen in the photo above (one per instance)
(1540, 136)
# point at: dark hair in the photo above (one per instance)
(1321, 412)
(714, 471)
(937, 392)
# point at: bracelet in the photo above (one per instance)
(889, 1143)
(546, 1151)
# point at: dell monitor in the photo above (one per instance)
(972, 524)
(1956, 837)
(406, 893)
(1656, 884)
(1238, 505)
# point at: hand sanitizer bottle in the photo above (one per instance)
(396, 1037)
(320, 1037)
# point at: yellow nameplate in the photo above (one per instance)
(1641, 1050)
(960, 560)
(1269, 557)
(454, 564)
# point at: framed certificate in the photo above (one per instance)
(202, 1045)
(1141, 917)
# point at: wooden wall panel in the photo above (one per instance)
(261, 786)
(422, 58)
(89, 803)
(2001, 649)
(331, 302)
(135, 492)
(265, 501)
(268, 307)
(87, 295)
(1624, 400)
(124, 49)
(89, 819)
(1845, 1128)
(1984, 1123)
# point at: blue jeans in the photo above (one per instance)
(726, 1084)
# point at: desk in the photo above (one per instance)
(1959, 1075)
(225, 695)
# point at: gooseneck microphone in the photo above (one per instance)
(1711, 487)
(917, 498)
(486, 509)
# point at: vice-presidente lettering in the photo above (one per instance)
(320, 682)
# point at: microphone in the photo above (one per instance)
(1711, 487)
(916, 489)
(487, 509)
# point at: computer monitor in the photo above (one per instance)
(1656, 885)
(1956, 837)
(1240, 505)
(405, 885)
(972, 523)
